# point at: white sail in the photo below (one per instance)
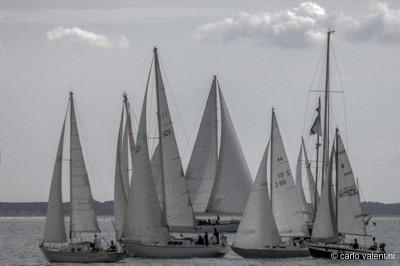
(144, 221)
(83, 217)
(233, 181)
(314, 196)
(202, 166)
(121, 180)
(54, 231)
(156, 170)
(350, 216)
(257, 228)
(325, 228)
(285, 201)
(177, 205)
(305, 206)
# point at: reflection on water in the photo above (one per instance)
(20, 238)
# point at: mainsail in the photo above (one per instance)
(177, 205)
(83, 216)
(200, 174)
(285, 201)
(257, 228)
(233, 181)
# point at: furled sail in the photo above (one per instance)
(350, 216)
(233, 181)
(55, 226)
(144, 221)
(200, 174)
(285, 201)
(177, 205)
(83, 217)
(257, 228)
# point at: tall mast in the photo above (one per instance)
(156, 69)
(337, 175)
(316, 168)
(270, 168)
(325, 155)
(70, 166)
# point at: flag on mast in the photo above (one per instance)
(316, 127)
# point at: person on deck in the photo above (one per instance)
(113, 247)
(96, 243)
(206, 239)
(355, 244)
(216, 235)
(374, 245)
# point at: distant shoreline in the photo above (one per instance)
(38, 209)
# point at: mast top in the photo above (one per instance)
(155, 50)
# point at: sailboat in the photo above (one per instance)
(259, 235)
(146, 231)
(218, 185)
(55, 246)
(339, 211)
(125, 147)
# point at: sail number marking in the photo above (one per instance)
(167, 132)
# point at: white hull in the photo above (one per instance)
(275, 252)
(174, 251)
(225, 227)
(79, 253)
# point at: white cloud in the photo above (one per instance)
(291, 28)
(306, 26)
(382, 24)
(77, 36)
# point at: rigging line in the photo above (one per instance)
(344, 102)
(88, 148)
(312, 82)
(176, 106)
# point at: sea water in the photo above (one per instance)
(20, 238)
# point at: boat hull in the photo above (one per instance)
(174, 251)
(228, 227)
(336, 251)
(278, 252)
(79, 254)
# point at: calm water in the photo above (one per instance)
(20, 238)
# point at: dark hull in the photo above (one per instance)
(342, 251)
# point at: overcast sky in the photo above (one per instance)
(265, 54)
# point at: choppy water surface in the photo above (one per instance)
(20, 238)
